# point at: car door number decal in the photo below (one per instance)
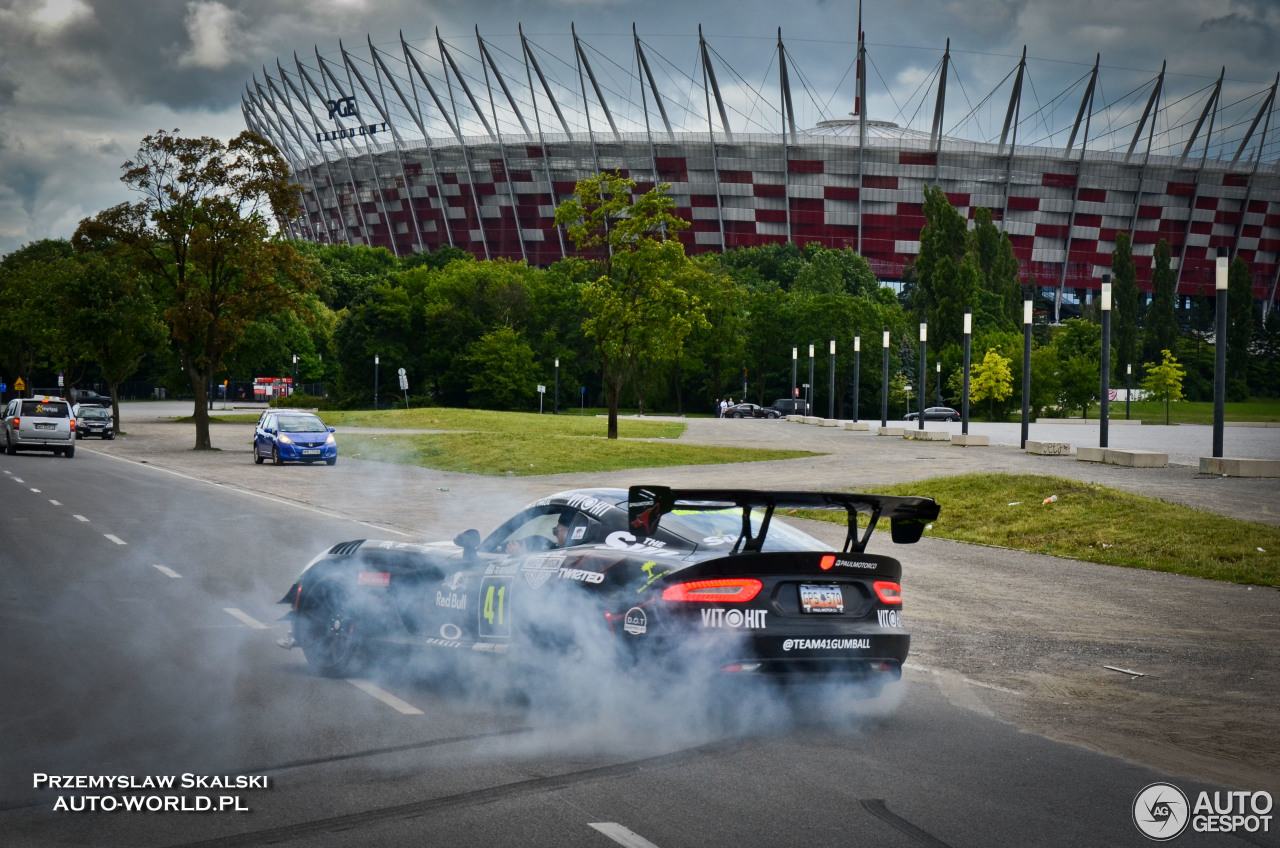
(495, 619)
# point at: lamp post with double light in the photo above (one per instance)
(375, 381)
(1220, 355)
(884, 384)
(794, 394)
(924, 377)
(831, 383)
(808, 389)
(964, 393)
(1104, 400)
(857, 371)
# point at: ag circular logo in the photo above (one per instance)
(1161, 811)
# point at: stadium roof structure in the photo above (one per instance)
(473, 142)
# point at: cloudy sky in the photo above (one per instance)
(82, 81)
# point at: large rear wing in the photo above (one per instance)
(907, 515)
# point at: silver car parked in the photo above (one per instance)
(39, 423)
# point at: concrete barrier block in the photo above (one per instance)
(857, 426)
(831, 422)
(928, 435)
(1239, 467)
(796, 418)
(1137, 458)
(1049, 448)
(812, 419)
(1091, 454)
(970, 440)
(891, 431)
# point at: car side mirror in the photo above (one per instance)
(468, 540)
(333, 429)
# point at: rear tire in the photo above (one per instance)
(257, 457)
(69, 452)
(8, 446)
(329, 632)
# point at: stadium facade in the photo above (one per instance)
(414, 149)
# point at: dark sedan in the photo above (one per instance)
(750, 410)
(934, 413)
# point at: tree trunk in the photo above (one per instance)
(113, 389)
(614, 390)
(201, 412)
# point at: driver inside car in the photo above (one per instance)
(536, 541)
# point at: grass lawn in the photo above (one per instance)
(486, 421)
(1096, 524)
(531, 453)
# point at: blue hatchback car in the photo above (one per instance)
(293, 437)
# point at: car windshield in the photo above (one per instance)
(301, 424)
(709, 528)
(44, 409)
(95, 413)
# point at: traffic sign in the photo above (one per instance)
(18, 385)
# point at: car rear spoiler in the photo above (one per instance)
(907, 515)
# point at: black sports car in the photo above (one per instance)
(709, 579)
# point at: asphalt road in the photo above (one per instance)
(137, 605)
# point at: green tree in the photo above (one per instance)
(31, 280)
(1162, 318)
(997, 274)
(1124, 293)
(635, 310)
(1164, 381)
(942, 248)
(114, 320)
(201, 236)
(991, 379)
(1079, 363)
(503, 373)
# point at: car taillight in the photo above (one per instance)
(73, 425)
(729, 590)
(889, 592)
(16, 421)
(827, 562)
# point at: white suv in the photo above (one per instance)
(39, 423)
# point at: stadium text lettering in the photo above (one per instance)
(363, 129)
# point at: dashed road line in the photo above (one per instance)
(55, 503)
(79, 518)
(243, 617)
(18, 480)
(115, 539)
(34, 489)
(166, 571)
(622, 835)
(385, 697)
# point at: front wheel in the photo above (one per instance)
(333, 461)
(275, 456)
(329, 631)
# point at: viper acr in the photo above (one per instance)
(708, 579)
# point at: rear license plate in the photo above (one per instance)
(311, 451)
(46, 426)
(821, 599)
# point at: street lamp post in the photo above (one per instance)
(938, 393)
(964, 393)
(1027, 306)
(884, 384)
(1128, 387)
(1220, 355)
(321, 356)
(1104, 402)
(794, 394)
(831, 388)
(375, 381)
(857, 370)
(293, 387)
(555, 409)
(808, 389)
(924, 335)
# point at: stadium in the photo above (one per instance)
(473, 142)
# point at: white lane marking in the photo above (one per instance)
(17, 479)
(55, 503)
(34, 489)
(242, 616)
(80, 518)
(622, 835)
(115, 539)
(325, 512)
(166, 571)
(385, 697)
